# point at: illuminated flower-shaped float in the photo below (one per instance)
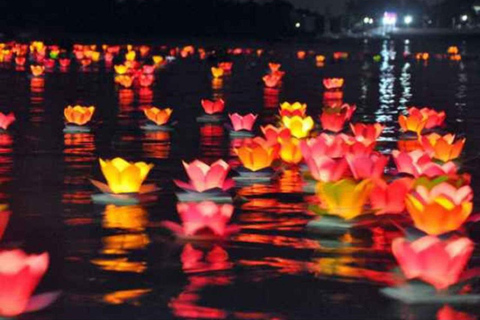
(333, 83)
(293, 109)
(20, 274)
(434, 270)
(205, 181)
(290, 151)
(6, 120)
(341, 202)
(439, 205)
(203, 220)
(213, 110)
(124, 182)
(333, 118)
(257, 156)
(333, 89)
(217, 72)
(367, 132)
(389, 197)
(299, 127)
(418, 163)
(444, 148)
(76, 118)
(37, 70)
(158, 118)
(242, 125)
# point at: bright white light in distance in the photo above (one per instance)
(408, 20)
(464, 18)
(297, 25)
(368, 20)
(389, 18)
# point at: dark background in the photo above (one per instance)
(247, 19)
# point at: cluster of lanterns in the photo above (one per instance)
(352, 180)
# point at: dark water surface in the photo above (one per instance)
(119, 263)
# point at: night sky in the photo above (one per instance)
(336, 6)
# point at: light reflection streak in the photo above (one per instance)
(130, 223)
(387, 113)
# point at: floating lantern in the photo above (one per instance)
(301, 54)
(293, 109)
(333, 83)
(271, 80)
(298, 126)
(320, 59)
(344, 198)
(333, 119)
(124, 178)
(130, 55)
(414, 122)
(435, 261)
(36, 70)
(290, 151)
(20, 274)
(434, 118)
(257, 154)
(158, 60)
(158, 116)
(453, 50)
(78, 115)
(6, 120)
(367, 132)
(326, 169)
(213, 107)
(147, 69)
(367, 166)
(124, 80)
(443, 148)
(335, 146)
(439, 207)
(204, 178)
(417, 163)
(389, 198)
(202, 220)
(340, 55)
(146, 80)
(226, 66)
(20, 60)
(64, 62)
(217, 72)
(242, 123)
(120, 69)
(275, 135)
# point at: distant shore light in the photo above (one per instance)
(408, 19)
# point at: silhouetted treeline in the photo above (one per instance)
(149, 17)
